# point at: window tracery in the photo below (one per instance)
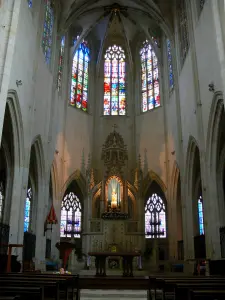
(155, 217)
(200, 215)
(79, 84)
(2, 198)
(48, 31)
(149, 78)
(183, 29)
(170, 64)
(70, 216)
(27, 210)
(61, 62)
(114, 82)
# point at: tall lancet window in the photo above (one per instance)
(79, 84)
(27, 210)
(48, 30)
(183, 29)
(70, 225)
(149, 78)
(155, 217)
(61, 62)
(114, 82)
(200, 216)
(170, 64)
(2, 197)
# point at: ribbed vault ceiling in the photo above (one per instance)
(122, 20)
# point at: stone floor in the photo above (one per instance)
(113, 295)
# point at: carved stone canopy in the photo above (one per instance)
(114, 151)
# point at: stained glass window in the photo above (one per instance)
(1, 200)
(170, 65)
(114, 82)
(70, 225)
(155, 218)
(30, 3)
(27, 210)
(149, 78)
(61, 62)
(79, 84)
(183, 29)
(48, 30)
(200, 216)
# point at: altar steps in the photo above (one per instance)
(113, 294)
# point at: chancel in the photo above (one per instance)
(112, 148)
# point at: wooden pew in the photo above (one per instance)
(182, 290)
(168, 284)
(25, 293)
(51, 288)
(68, 284)
(207, 295)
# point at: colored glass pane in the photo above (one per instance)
(114, 103)
(61, 62)
(27, 210)
(155, 217)
(30, 3)
(1, 200)
(200, 216)
(79, 83)
(149, 78)
(48, 31)
(170, 65)
(70, 224)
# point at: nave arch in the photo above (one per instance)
(12, 156)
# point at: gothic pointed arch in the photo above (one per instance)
(150, 90)
(72, 205)
(17, 126)
(155, 212)
(149, 178)
(114, 103)
(36, 179)
(214, 128)
(80, 180)
(12, 155)
(195, 205)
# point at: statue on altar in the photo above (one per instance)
(114, 191)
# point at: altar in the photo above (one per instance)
(127, 257)
(114, 221)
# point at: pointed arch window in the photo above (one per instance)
(79, 84)
(114, 82)
(61, 62)
(182, 29)
(27, 210)
(155, 217)
(170, 64)
(70, 225)
(2, 198)
(149, 78)
(48, 30)
(200, 216)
